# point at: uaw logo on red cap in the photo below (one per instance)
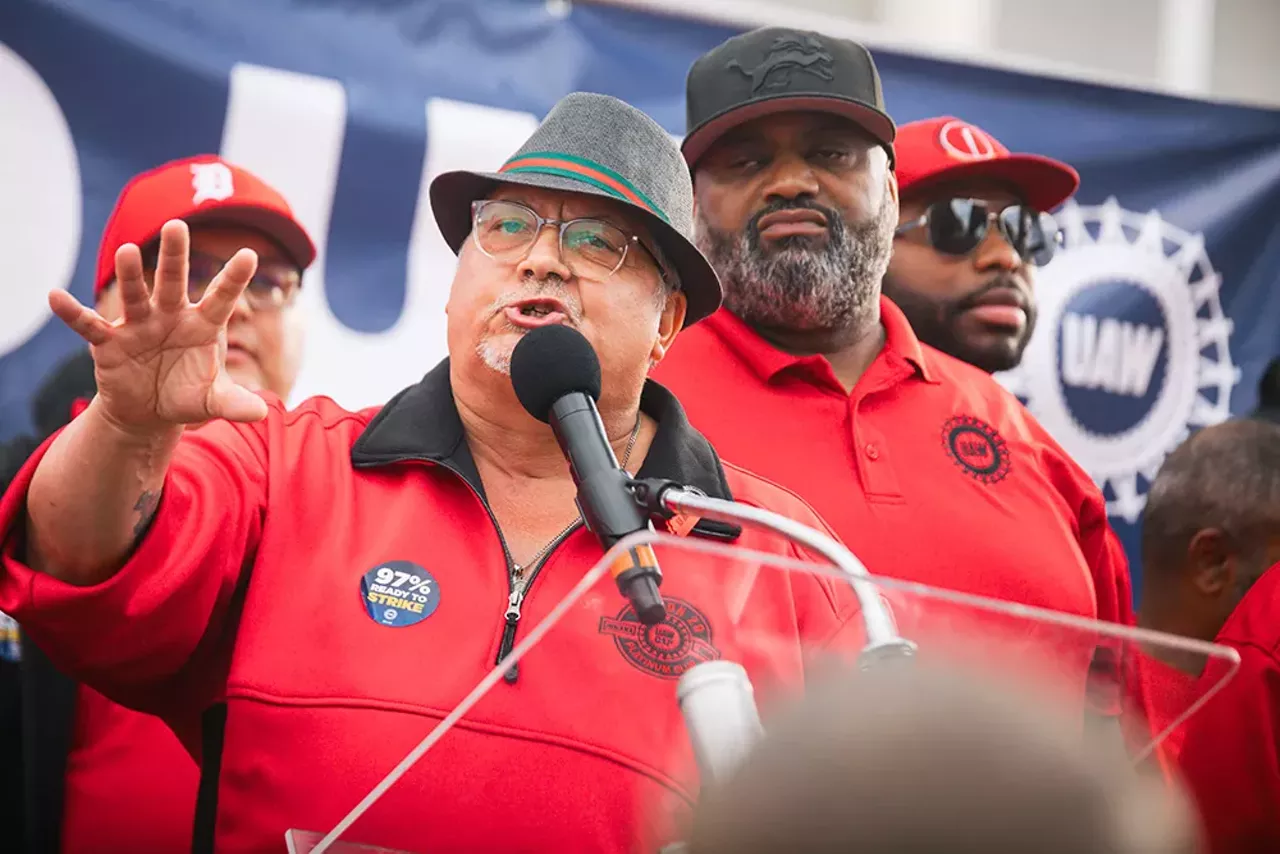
(963, 141)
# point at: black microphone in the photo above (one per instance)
(556, 376)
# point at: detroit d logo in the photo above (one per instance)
(1132, 351)
(787, 56)
(211, 182)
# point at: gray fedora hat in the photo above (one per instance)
(600, 146)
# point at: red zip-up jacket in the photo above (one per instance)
(130, 786)
(247, 618)
(94, 776)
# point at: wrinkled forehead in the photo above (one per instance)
(562, 205)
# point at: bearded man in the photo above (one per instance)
(923, 464)
(974, 230)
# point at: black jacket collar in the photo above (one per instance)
(422, 423)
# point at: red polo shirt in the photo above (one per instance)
(929, 470)
(1230, 752)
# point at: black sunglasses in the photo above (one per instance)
(958, 226)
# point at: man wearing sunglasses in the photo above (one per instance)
(97, 776)
(973, 227)
(925, 466)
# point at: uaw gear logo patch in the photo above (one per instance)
(668, 649)
(1132, 350)
(787, 56)
(976, 447)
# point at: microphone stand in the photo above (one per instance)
(716, 697)
(665, 498)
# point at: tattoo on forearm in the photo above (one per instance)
(146, 507)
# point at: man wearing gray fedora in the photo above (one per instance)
(240, 580)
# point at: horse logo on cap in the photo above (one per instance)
(212, 182)
(963, 141)
(788, 54)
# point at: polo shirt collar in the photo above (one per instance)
(422, 423)
(767, 361)
(900, 341)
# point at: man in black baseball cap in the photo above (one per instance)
(811, 378)
(792, 155)
(773, 70)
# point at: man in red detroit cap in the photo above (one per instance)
(973, 226)
(226, 208)
(128, 783)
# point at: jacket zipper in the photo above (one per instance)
(516, 597)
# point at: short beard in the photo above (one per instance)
(935, 321)
(802, 284)
(498, 358)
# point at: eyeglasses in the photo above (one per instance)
(274, 284)
(591, 248)
(958, 226)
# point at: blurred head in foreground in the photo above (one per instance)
(915, 762)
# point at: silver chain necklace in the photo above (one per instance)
(517, 571)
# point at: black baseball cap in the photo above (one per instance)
(776, 70)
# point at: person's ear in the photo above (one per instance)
(1212, 561)
(669, 325)
(891, 185)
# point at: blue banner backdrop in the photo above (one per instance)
(1159, 316)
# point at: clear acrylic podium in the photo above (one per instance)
(744, 633)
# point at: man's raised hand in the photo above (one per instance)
(163, 363)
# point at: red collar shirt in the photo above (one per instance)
(1230, 749)
(929, 470)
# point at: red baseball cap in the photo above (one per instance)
(195, 189)
(936, 151)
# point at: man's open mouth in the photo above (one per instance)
(537, 311)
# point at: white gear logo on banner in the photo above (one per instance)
(1131, 351)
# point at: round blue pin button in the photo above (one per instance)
(399, 593)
